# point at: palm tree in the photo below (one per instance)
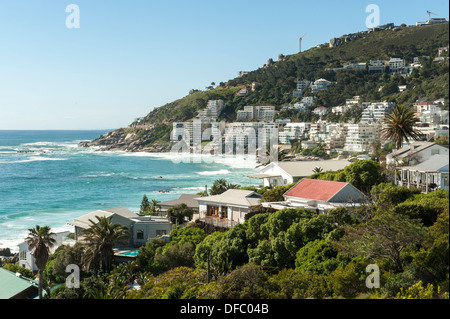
(399, 126)
(40, 240)
(155, 206)
(221, 185)
(99, 241)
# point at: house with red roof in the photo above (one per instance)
(319, 195)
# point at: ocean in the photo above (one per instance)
(47, 180)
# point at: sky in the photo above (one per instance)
(127, 57)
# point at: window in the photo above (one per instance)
(140, 234)
(23, 255)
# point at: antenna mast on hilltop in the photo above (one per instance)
(300, 40)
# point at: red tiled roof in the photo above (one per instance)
(315, 189)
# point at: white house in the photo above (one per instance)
(284, 173)
(229, 208)
(142, 228)
(26, 259)
(416, 152)
(321, 110)
(319, 195)
(429, 175)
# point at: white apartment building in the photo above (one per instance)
(260, 113)
(336, 135)
(302, 86)
(182, 131)
(361, 136)
(377, 66)
(321, 110)
(293, 131)
(320, 85)
(396, 65)
(308, 100)
(341, 109)
(376, 112)
(212, 111)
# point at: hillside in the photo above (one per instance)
(276, 83)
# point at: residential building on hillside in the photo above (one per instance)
(320, 85)
(188, 199)
(361, 137)
(285, 173)
(229, 208)
(340, 109)
(212, 111)
(396, 65)
(415, 153)
(376, 112)
(182, 131)
(321, 196)
(321, 110)
(259, 113)
(293, 131)
(302, 86)
(430, 175)
(26, 259)
(377, 66)
(142, 228)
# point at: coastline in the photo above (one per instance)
(38, 189)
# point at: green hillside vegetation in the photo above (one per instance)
(289, 254)
(277, 82)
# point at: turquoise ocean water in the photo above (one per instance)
(47, 180)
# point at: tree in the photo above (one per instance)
(145, 206)
(40, 240)
(384, 236)
(399, 126)
(363, 174)
(154, 207)
(179, 213)
(220, 186)
(99, 240)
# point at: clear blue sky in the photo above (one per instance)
(128, 57)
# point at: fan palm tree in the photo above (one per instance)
(99, 241)
(40, 240)
(399, 126)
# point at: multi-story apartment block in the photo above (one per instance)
(361, 137)
(340, 109)
(182, 131)
(301, 88)
(293, 131)
(396, 66)
(377, 66)
(253, 134)
(376, 112)
(321, 110)
(260, 113)
(320, 85)
(212, 110)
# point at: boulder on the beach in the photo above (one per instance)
(6, 252)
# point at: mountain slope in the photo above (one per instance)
(277, 82)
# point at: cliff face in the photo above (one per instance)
(130, 140)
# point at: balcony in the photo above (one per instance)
(218, 222)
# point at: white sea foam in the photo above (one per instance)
(35, 159)
(212, 173)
